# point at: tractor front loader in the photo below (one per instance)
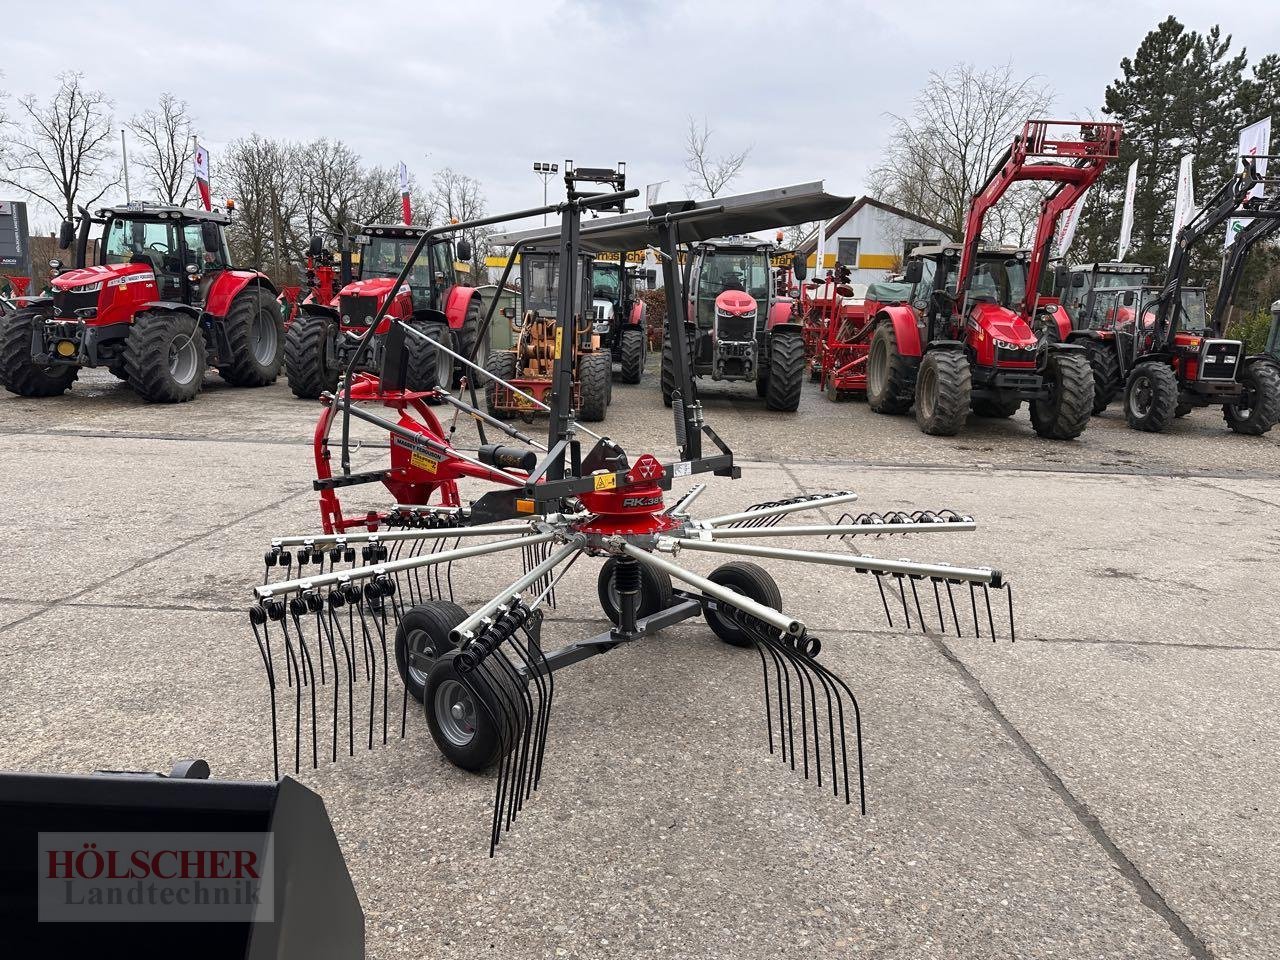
(971, 337)
(1162, 349)
(161, 306)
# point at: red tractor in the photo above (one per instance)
(739, 327)
(160, 307)
(970, 337)
(842, 357)
(322, 339)
(325, 276)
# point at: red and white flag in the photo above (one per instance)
(200, 164)
(405, 209)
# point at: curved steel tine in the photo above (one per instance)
(883, 599)
(973, 603)
(954, 616)
(937, 598)
(264, 649)
(309, 679)
(902, 595)
(1013, 637)
(857, 722)
(986, 594)
(924, 627)
(323, 629)
(292, 656)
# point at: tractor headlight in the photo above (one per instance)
(87, 288)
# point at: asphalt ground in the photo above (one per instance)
(1107, 786)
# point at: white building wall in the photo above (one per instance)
(879, 238)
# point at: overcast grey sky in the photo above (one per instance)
(487, 88)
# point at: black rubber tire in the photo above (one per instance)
(1182, 409)
(428, 368)
(655, 590)
(424, 626)
(146, 356)
(308, 364)
(17, 372)
(595, 374)
(117, 370)
(244, 368)
(995, 409)
(786, 372)
(1105, 366)
(749, 580)
(1065, 415)
(762, 382)
(944, 385)
(895, 394)
(468, 333)
(633, 347)
(1262, 381)
(1156, 376)
(493, 707)
(502, 365)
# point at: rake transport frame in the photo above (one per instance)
(484, 679)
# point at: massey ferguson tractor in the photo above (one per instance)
(619, 317)
(1079, 288)
(529, 365)
(322, 338)
(160, 307)
(1164, 351)
(967, 339)
(740, 327)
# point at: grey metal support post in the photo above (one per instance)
(561, 416)
(685, 391)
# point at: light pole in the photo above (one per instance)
(546, 171)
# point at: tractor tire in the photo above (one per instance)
(1106, 376)
(595, 374)
(1260, 409)
(996, 409)
(889, 373)
(943, 388)
(503, 366)
(255, 332)
(308, 365)
(1065, 415)
(786, 372)
(1181, 410)
(17, 372)
(424, 629)
(633, 349)
(655, 591)
(762, 382)
(465, 711)
(165, 357)
(1150, 396)
(117, 370)
(428, 368)
(750, 581)
(468, 336)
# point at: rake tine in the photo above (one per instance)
(276, 611)
(973, 603)
(782, 677)
(538, 733)
(937, 598)
(954, 616)
(296, 607)
(883, 599)
(768, 708)
(378, 588)
(258, 618)
(323, 629)
(336, 601)
(902, 595)
(520, 732)
(924, 628)
(1013, 637)
(857, 724)
(990, 622)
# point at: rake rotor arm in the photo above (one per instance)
(815, 503)
(1263, 226)
(842, 530)
(468, 628)
(446, 533)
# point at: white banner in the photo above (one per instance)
(1126, 220)
(1185, 205)
(404, 178)
(1255, 140)
(1066, 231)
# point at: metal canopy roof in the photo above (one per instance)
(743, 213)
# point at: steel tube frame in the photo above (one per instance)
(775, 619)
(268, 590)
(831, 501)
(870, 564)
(837, 530)
(466, 629)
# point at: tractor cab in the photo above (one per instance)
(733, 290)
(383, 250)
(1113, 308)
(1080, 288)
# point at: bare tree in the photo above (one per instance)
(167, 138)
(941, 154)
(262, 175)
(711, 174)
(339, 192)
(59, 151)
(457, 196)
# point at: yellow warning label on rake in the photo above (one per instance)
(559, 342)
(605, 481)
(423, 462)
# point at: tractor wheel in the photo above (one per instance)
(421, 639)
(786, 372)
(468, 336)
(1150, 396)
(1181, 410)
(762, 382)
(17, 372)
(655, 591)
(750, 581)
(996, 409)
(255, 332)
(633, 349)
(888, 373)
(503, 366)
(1259, 408)
(668, 376)
(428, 368)
(468, 713)
(1066, 413)
(164, 356)
(117, 370)
(595, 374)
(308, 363)
(1106, 376)
(943, 387)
